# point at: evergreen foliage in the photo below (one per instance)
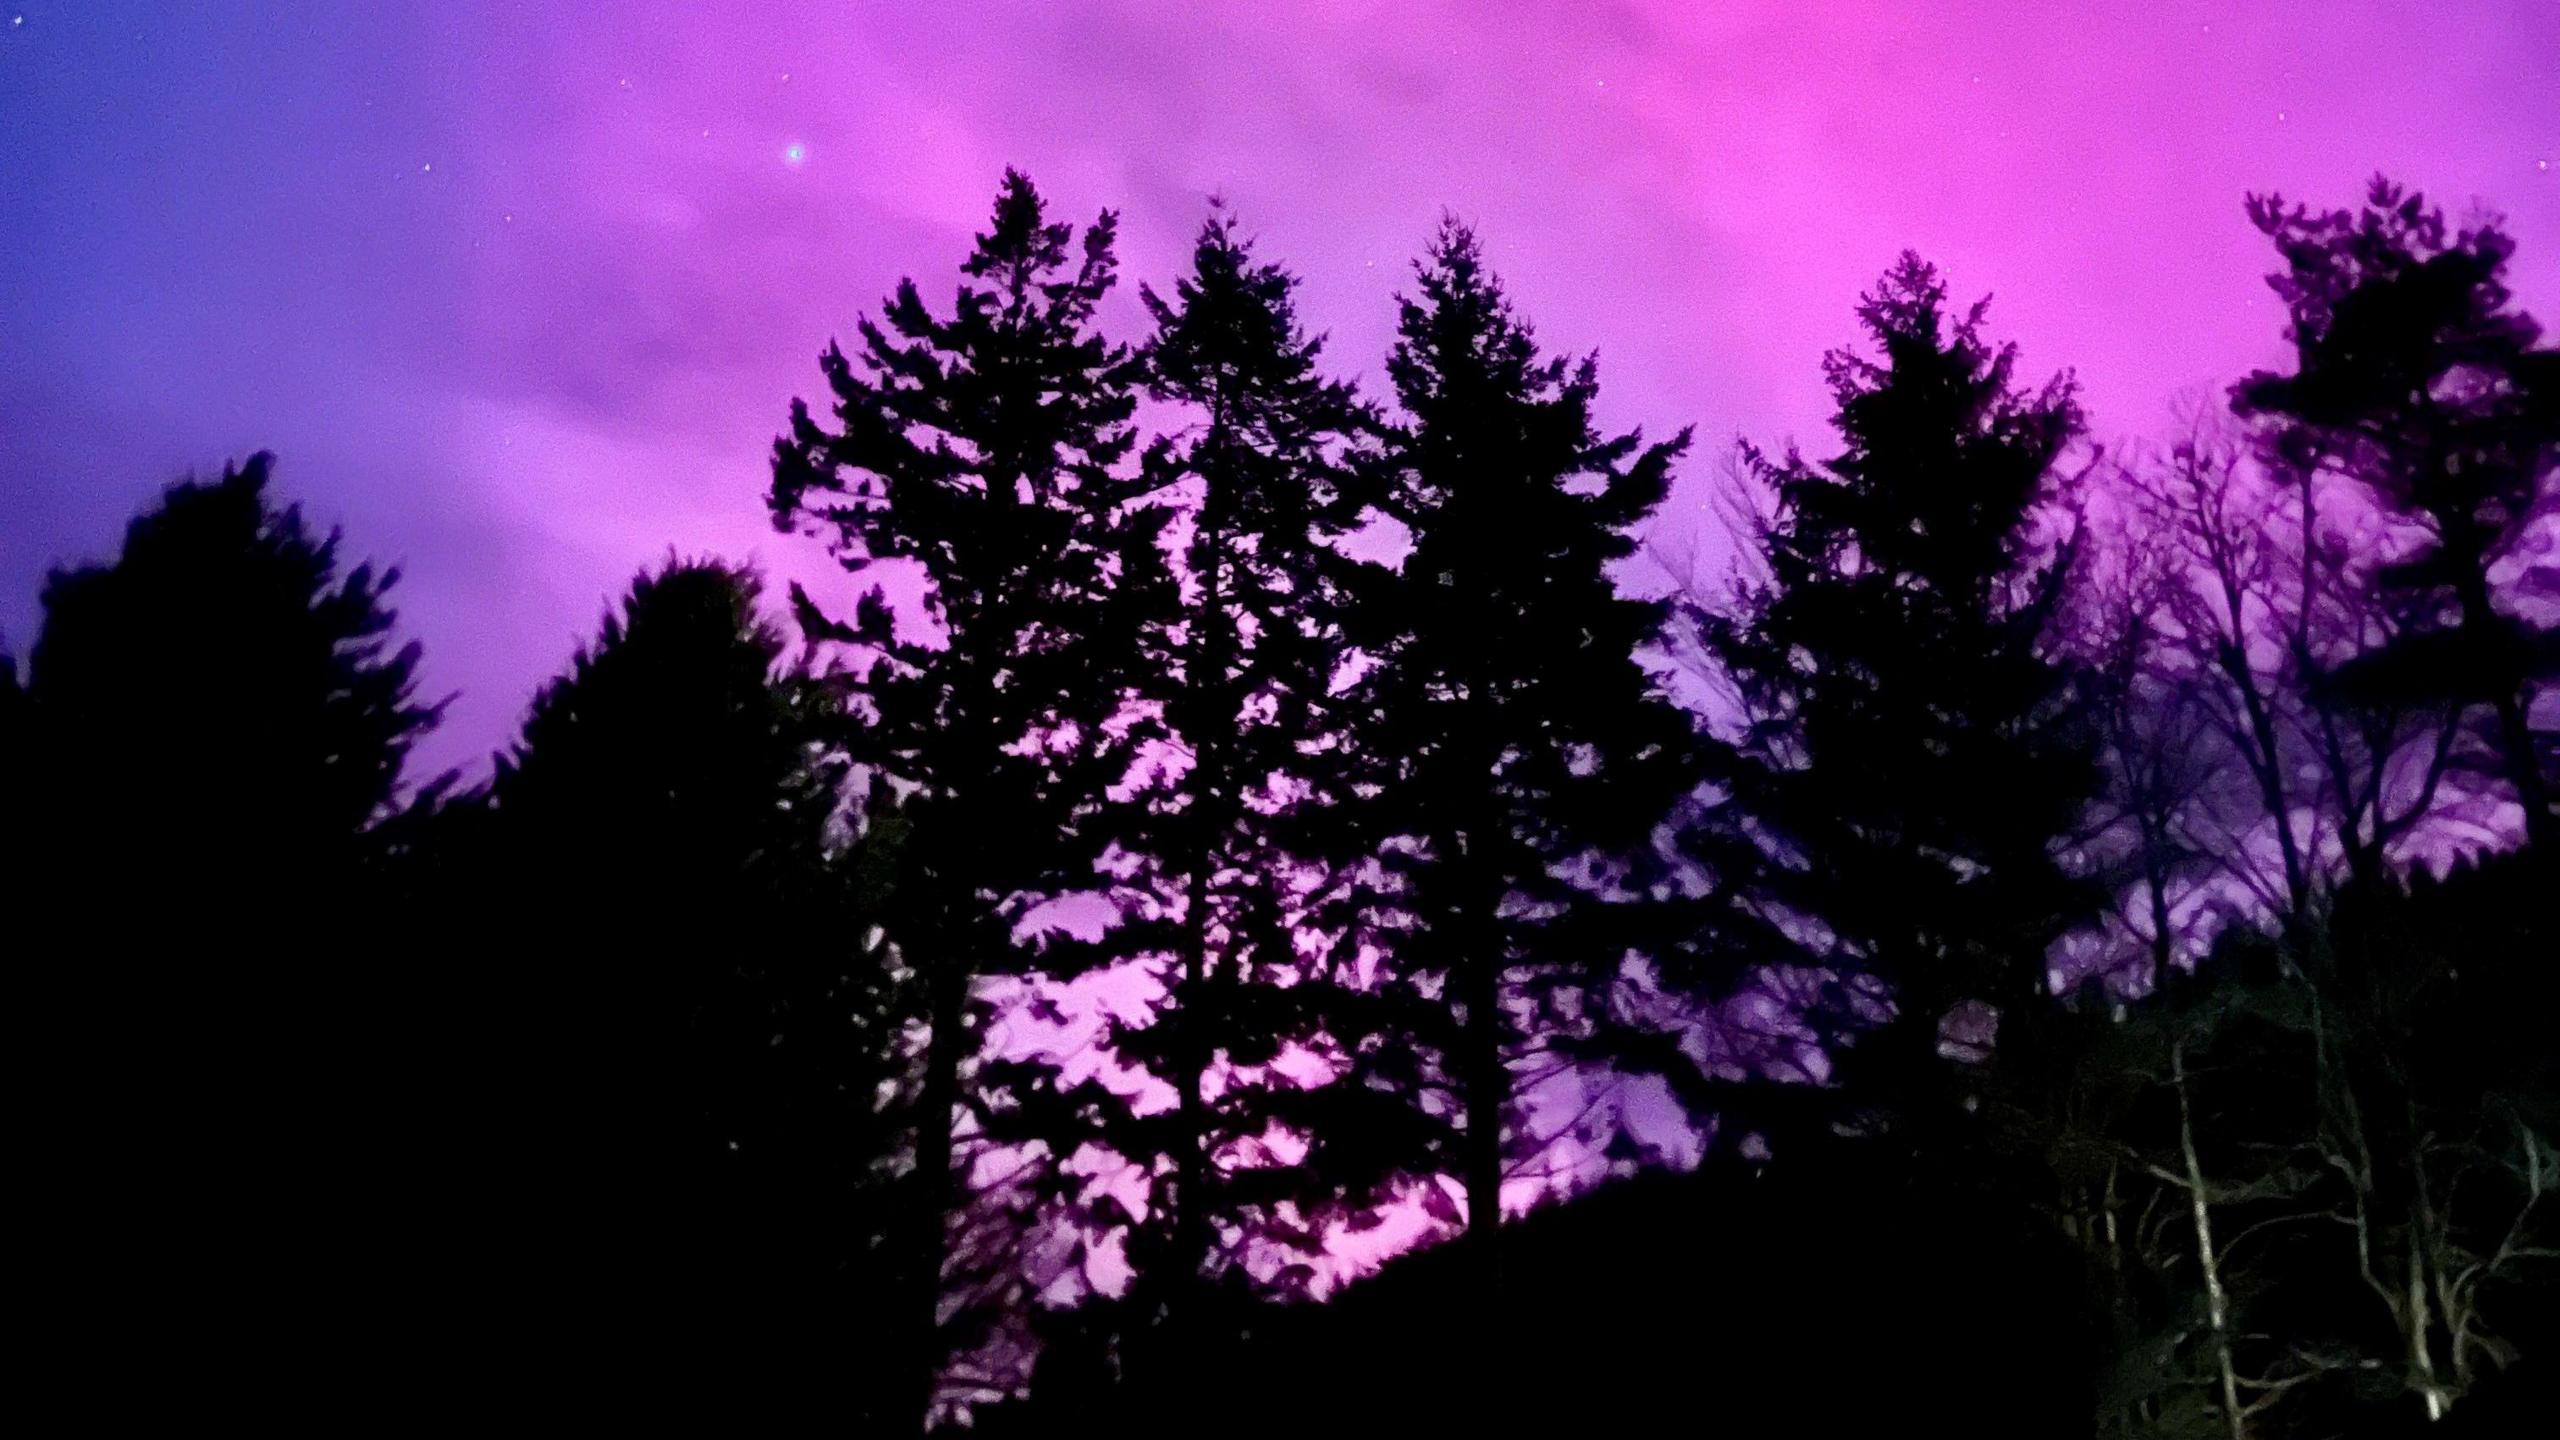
(987, 454)
(1911, 753)
(1524, 756)
(2093, 942)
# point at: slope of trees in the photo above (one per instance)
(2097, 935)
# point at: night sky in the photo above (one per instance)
(521, 292)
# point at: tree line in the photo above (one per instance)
(1239, 818)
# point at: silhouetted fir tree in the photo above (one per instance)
(2416, 376)
(985, 452)
(1910, 755)
(1235, 849)
(709, 1032)
(211, 728)
(1524, 757)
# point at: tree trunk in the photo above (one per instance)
(2217, 1302)
(927, 1237)
(1487, 1080)
(1190, 1216)
(1207, 677)
(1487, 1091)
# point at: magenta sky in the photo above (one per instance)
(521, 291)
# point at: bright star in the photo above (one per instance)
(794, 153)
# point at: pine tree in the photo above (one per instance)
(1524, 756)
(2416, 376)
(711, 1034)
(1236, 848)
(986, 453)
(300, 711)
(1910, 754)
(212, 727)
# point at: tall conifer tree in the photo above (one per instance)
(1241, 842)
(213, 727)
(985, 453)
(1523, 754)
(1911, 753)
(704, 1063)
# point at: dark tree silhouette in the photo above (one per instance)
(212, 726)
(1909, 756)
(2416, 376)
(1237, 846)
(298, 706)
(691, 1067)
(708, 1033)
(983, 453)
(1524, 755)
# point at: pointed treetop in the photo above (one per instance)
(1460, 329)
(1228, 310)
(1018, 236)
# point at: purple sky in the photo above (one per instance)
(520, 292)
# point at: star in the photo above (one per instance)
(794, 153)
